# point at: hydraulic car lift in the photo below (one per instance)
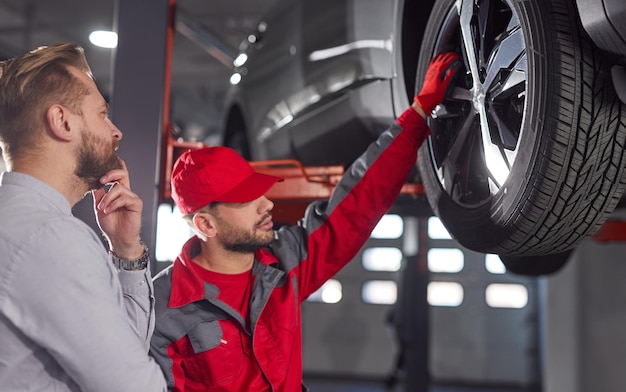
(301, 184)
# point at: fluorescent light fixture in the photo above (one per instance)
(103, 39)
(506, 295)
(445, 294)
(389, 226)
(382, 259)
(436, 229)
(494, 264)
(380, 292)
(445, 260)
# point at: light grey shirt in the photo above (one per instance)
(69, 320)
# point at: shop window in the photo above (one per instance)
(171, 233)
(382, 259)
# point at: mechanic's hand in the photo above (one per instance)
(440, 72)
(118, 213)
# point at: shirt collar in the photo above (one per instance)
(187, 286)
(39, 187)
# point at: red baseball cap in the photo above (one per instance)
(216, 174)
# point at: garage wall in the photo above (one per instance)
(353, 337)
(469, 342)
(585, 314)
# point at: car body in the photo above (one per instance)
(316, 71)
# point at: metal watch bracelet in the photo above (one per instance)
(131, 265)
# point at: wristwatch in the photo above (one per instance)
(132, 265)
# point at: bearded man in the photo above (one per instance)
(73, 317)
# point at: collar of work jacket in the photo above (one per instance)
(188, 287)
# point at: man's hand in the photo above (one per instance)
(118, 213)
(440, 72)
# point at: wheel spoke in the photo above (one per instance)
(510, 50)
(460, 143)
(496, 165)
(461, 94)
(483, 26)
(506, 108)
(466, 15)
(461, 166)
(450, 173)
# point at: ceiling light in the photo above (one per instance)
(103, 39)
(235, 78)
(240, 60)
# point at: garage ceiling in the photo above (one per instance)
(199, 72)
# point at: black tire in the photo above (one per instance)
(536, 265)
(558, 130)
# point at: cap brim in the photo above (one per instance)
(251, 188)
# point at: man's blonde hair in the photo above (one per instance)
(29, 85)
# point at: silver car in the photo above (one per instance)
(527, 153)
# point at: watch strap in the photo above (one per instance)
(131, 265)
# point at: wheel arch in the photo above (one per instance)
(233, 122)
(412, 18)
(235, 125)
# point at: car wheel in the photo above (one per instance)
(527, 151)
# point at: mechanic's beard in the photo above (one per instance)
(91, 166)
(243, 241)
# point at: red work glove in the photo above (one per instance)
(440, 72)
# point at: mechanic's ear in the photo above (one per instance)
(205, 224)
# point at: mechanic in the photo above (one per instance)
(228, 315)
(70, 320)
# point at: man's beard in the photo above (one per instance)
(240, 240)
(91, 166)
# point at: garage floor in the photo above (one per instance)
(320, 385)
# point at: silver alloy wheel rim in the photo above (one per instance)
(479, 125)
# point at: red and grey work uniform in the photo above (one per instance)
(204, 344)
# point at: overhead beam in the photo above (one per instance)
(214, 46)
